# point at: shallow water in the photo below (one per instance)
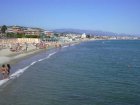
(91, 73)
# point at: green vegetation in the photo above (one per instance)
(11, 35)
(18, 35)
(3, 29)
(31, 36)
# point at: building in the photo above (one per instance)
(32, 31)
(9, 30)
(18, 29)
(48, 33)
(83, 36)
(15, 29)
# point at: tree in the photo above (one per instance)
(11, 35)
(3, 29)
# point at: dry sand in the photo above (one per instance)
(8, 56)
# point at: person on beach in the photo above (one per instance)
(8, 69)
(60, 46)
(26, 45)
(3, 71)
(36, 45)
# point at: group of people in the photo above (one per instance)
(19, 47)
(5, 70)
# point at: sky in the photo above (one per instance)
(120, 16)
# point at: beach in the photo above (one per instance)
(13, 51)
(9, 56)
(19, 50)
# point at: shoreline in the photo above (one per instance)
(16, 56)
(6, 56)
(13, 58)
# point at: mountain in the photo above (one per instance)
(92, 32)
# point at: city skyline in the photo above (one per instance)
(119, 16)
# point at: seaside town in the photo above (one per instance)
(18, 38)
(32, 32)
(20, 31)
(18, 41)
(70, 52)
(15, 37)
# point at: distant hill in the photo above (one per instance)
(91, 32)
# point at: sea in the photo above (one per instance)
(102, 72)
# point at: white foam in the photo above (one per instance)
(51, 54)
(15, 75)
(47, 56)
(3, 81)
(33, 62)
(64, 46)
(21, 71)
(40, 60)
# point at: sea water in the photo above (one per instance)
(91, 73)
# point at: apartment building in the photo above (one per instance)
(32, 31)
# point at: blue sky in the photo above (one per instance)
(121, 16)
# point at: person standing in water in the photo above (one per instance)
(8, 69)
(3, 71)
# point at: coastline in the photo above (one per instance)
(6, 56)
(14, 58)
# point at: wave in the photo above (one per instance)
(65, 46)
(51, 54)
(21, 71)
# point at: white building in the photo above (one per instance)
(83, 36)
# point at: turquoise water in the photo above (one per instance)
(91, 73)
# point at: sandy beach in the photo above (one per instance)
(9, 56)
(16, 49)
